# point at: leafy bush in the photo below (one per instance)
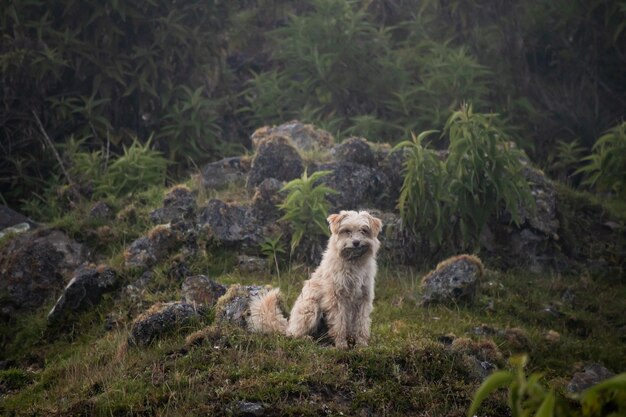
(605, 168)
(453, 200)
(527, 396)
(306, 207)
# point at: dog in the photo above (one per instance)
(339, 294)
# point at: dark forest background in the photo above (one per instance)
(92, 88)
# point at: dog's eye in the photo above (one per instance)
(345, 231)
(365, 231)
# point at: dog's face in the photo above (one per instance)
(354, 234)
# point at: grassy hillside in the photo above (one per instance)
(408, 369)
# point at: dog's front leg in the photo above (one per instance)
(338, 322)
(362, 323)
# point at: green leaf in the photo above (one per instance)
(497, 380)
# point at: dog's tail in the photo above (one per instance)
(266, 315)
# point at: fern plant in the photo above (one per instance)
(306, 207)
(605, 168)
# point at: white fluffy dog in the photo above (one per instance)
(339, 294)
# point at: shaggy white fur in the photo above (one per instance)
(340, 291)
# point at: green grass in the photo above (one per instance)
(404, 371)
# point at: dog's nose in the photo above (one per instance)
(356, 243)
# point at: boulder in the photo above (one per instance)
(454, 279)
(84, 290)
(275, 158)
(266, 200)
(201, 291)
(236, 225)
(358, 186)
(148, 250)
(178, 205)
(590, 376)
(233, 307)
(220, 174)
(34, 266)
(355, 150)
(392, 165)
(397, 244)
(159, 320)
(247, 409)
(304, 137)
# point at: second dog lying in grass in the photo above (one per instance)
(340, 293)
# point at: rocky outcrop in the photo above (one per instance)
(454, 279)
(302, 136)
(275, 158)
(159, 320)
(178, 205)
(201, 291)
(159, 243)
(34, 266)
(354, 150)
(84, 290)
(220, 174)
(358, 186)
(237, 225)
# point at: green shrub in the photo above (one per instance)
(12, 379)
(605, 168)
(451, 201)
(527, 396)
(306, 207)
(139, 168)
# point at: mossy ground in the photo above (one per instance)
(406, 370)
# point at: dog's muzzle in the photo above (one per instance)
(354, 252)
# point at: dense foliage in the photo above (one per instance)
(451, 199)
(199, 77)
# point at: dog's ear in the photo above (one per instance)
(375, 224)
(334, 220)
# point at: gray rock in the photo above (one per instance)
(393, 167)
(101, 211)
(304, 137)
(178, 205)
(220, 174)
(358, 186)
(83, 291)
(159, 320)
(9, 217)
(34, 266)
(201, 291)
(266, 200)
(453, 279)
(590, 376)
(236, 225)
(544, 218)
(233, 308)
(251, 264)
(150, 249)
(248, 409)
(275, 158)
(355, 150)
